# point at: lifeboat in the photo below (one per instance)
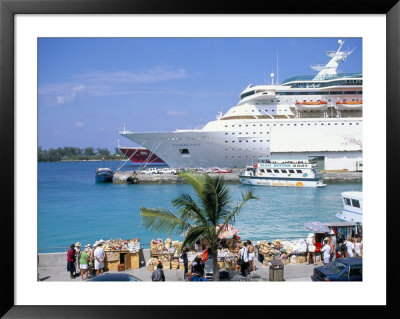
(311, 105)
(349, 105)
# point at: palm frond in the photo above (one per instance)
(194, 179)
(193, 234)
(161, 220)
(189, 209)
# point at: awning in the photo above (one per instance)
(317, 227)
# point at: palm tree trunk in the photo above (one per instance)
(214, 251)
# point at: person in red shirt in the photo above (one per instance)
(318, 247)
(71, 261)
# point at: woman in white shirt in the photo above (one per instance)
(350, 247)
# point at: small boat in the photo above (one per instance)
(224, 170)
(349, 105)
(352, 207)
(282, 173)
(311, 105)
(104, 175)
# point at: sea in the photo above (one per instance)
(72, 207)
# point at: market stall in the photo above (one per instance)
(122, 254)
(167, 252)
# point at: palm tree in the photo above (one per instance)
(198, 219)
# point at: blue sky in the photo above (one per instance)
(88, 88)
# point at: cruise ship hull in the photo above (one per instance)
(231, 148)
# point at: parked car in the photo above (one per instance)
(167, 170)
(114, 277)
(341, 269)
(151, 170)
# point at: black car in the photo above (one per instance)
(341, 269)
(114, 277)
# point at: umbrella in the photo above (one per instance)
(228, 231)
(317, 227)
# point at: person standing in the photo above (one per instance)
(99, 257)
(310, 248)
(184, 257)
(77, 255)
(357, 247)
(350, 247)
(326, 252)
(333, 243)
(91, 258)
(158, 274)
(71, 261)
(84, 263)
(244, 255)
(252, 255)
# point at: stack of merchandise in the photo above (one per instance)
(152, 264)
(174, 264)
(158, 247)
(287, 251)
(166, 262)
(133, 245)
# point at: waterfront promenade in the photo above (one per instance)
(292, 272)
(329, 177)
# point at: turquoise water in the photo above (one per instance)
(72, 207)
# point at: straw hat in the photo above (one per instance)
(310, 235)
(101, 241)
(96, 244)
(78, 244)
(87, 245)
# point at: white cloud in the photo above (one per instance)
(176, 113)
(79, 124)
(102, 83)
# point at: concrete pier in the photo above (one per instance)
(330, 177)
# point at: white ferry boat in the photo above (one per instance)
(285, 173)
(352, 207)
(310, 117)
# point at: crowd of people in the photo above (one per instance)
(330, 247)
(87, 261)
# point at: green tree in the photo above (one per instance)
(89, 151)
(198, 219)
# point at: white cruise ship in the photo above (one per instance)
(313, 117)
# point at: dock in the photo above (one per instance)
(330, 177)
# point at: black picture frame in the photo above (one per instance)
(8, 10)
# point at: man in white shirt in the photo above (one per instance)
(326, 251)
(99, 257)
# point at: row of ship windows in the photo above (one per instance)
(233, 133)
(246, 149)
(320, 93)
(302, 124)
(240, 141)
(281, 171)
(243, 156)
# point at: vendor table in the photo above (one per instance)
(124, 256)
